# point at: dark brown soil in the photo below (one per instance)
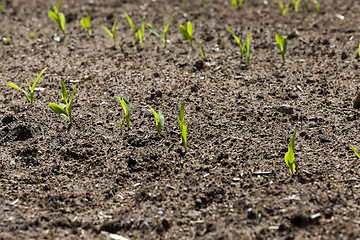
(87, 181)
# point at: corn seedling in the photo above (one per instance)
(206, 1)
(141, 32)
(159, 119)
(127, 111)
(244, 47)
(85, 22)
(1, 6)
(30, 96)
(296, 4)
(183, 126)
(112, 33)
(282, 42)
(237, 3)
(289, 156)
(355, 151)
(317, 6)
(202, 51)
(359, 49)
(58, 16)
(64, 108)
(284, 9)
(157, 32)
(187, 33)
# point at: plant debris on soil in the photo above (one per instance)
(86, 180)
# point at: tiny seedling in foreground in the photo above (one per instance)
(112, 33)
(159, 119)
(127, 111)
(187, 33)
(289, 157)
(244, 47)
(85, 22)
(296, 4)
(237, 3)
(30, 96)
(58, 16)
(157, 32)
(64, 108)
(282, 42)
(183, 126)
(284, 9)
(355, 151)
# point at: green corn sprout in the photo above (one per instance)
(64, 108)
(85, 22)
(58, 16)
(132, 26)
(289, 157)
(282, 42)
(183, 126)
(1, 6)
(317, 5)
(284, 9)
(296, 4)
(202, 51)
(247, 47)
(187, 33)
(355, 151)
(206, 1)
(112, 33)
(141, 32)
(30, 96)
(244, 47)
(159, 119)
(157, 33)
(237, 3)
(127, 110)
(359, 49)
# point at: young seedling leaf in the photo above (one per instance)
(154, 30)
(58, 109)
(159, 119)
(355, 151)
(131, 23)
(85, 22)
(187, 33)
(111, 33)
(296, 4)
(63, 93)
(127, 110)
(289, 157)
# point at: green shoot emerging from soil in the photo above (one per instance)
(355, 151)
(244, 47)
(58, 17)
(159, 119)
(289, 157)
(131, 25)
(237, 3)
(187, 33)
(64, 108)
(202, 51)
(282, 42)
(284, 9)
(85, 22)
(157, 32)
(30, 96)
(183, 126)
(141, 32)
(296, 4)
(127, 111)
(112, 33)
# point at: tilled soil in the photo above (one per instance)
(89, 181)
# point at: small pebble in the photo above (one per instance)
(324, 139)
(307, 74)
